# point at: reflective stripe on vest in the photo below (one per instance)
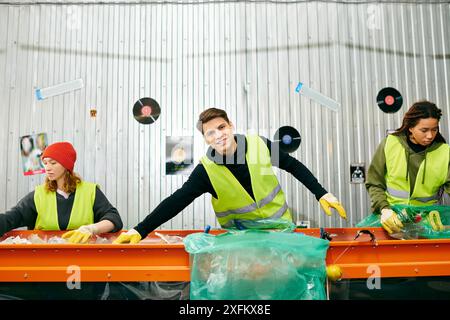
(397, 185)
(277, 215)
(405, 195)
(233, 201)
(82, 211)
(252, 206)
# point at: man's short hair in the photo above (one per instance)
(210, 114)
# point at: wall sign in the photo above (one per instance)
(357, 173)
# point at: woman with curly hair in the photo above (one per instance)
(63, 201)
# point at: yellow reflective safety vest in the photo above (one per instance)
(82, 211)
(431, 175)
(234, 206)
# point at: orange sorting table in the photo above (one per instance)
(152, 260)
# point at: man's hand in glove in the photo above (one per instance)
(131, 236)
(80, 235)
(330, 201)
(390, 221)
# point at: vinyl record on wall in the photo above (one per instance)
(288, 139)
(389, 100)
(146, 110)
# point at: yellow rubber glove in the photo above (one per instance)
(81, 235)
(330, 201)
(131, 236)
(434, 218)
(390, 221)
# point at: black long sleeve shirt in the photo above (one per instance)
(198, 182)
(24, 214)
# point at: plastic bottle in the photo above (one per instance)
(58, 89)
(318, 97)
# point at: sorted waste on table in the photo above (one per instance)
(36, 239)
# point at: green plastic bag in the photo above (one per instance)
(274, 224)
(256, 264)
(372, 220)
(415, 221)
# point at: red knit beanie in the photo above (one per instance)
(63, 152)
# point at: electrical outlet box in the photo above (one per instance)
(303, 224)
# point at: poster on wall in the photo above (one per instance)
(179, 155)
(357, 173)
(31, 148)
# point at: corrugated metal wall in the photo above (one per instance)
(246, 57)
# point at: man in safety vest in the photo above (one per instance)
(237, 172)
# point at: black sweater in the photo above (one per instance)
(24, 214)
(198, 183)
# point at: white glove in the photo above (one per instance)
(390, 221)
(89, 228)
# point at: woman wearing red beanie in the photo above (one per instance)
(63, 201)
